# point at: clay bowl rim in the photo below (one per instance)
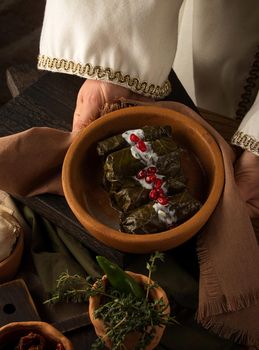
(119, 239)
(52, 333)
(16, 252)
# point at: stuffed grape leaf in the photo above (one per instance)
(122, 163)
(146, 219)
(117, 142)
(130, 194)
(146, 204)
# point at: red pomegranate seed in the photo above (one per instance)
(141, 174)
(134, 138)
(153, 194)
(162, 200)
(148, 179)
(153, 178)
(158, 183)
(59, 346)
(141, 146)
(151, 170)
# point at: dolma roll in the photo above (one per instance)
(117, 142)
(155, 217)
(131, 194)
(164, 153)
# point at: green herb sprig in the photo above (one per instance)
(122, 313)
(151, 267)
(75, 289)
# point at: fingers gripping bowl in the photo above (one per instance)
(201, 163)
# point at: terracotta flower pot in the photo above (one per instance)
(12, 332)
(10, 265)
(133, 338)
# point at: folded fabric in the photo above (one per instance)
(227, 248)
(54, 252)
(229, 259)
(32, 161)
(178, 275)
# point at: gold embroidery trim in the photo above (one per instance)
(246, 141)
(93, 72)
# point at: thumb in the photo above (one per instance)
(87, 110)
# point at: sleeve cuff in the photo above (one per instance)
(104, 73)
(246, 142)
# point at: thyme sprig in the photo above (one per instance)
(151, 267)
(128, 314)
(75, 289)
(121, 313)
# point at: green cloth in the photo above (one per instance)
(53, 252)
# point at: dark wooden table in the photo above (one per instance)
(50, 102)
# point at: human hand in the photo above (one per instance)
(91, 98)
(247, 179)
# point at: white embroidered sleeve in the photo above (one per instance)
(130, 43)
(247, 135)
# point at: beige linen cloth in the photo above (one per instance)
(30, 164)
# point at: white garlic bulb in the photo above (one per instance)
(9, 232)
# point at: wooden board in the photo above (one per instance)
(20, 77)
(16, 303)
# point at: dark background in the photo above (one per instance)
(20, 27)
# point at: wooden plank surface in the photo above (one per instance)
(20, 77)
(16, 303)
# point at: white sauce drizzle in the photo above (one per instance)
(138, 132)
(150, 158)
(164, 214)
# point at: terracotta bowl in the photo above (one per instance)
(12, 332)
(10, 265)
(81, 177)
(132, 339)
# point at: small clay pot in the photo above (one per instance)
(11, 333)
(133, 338)
(10, 265)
